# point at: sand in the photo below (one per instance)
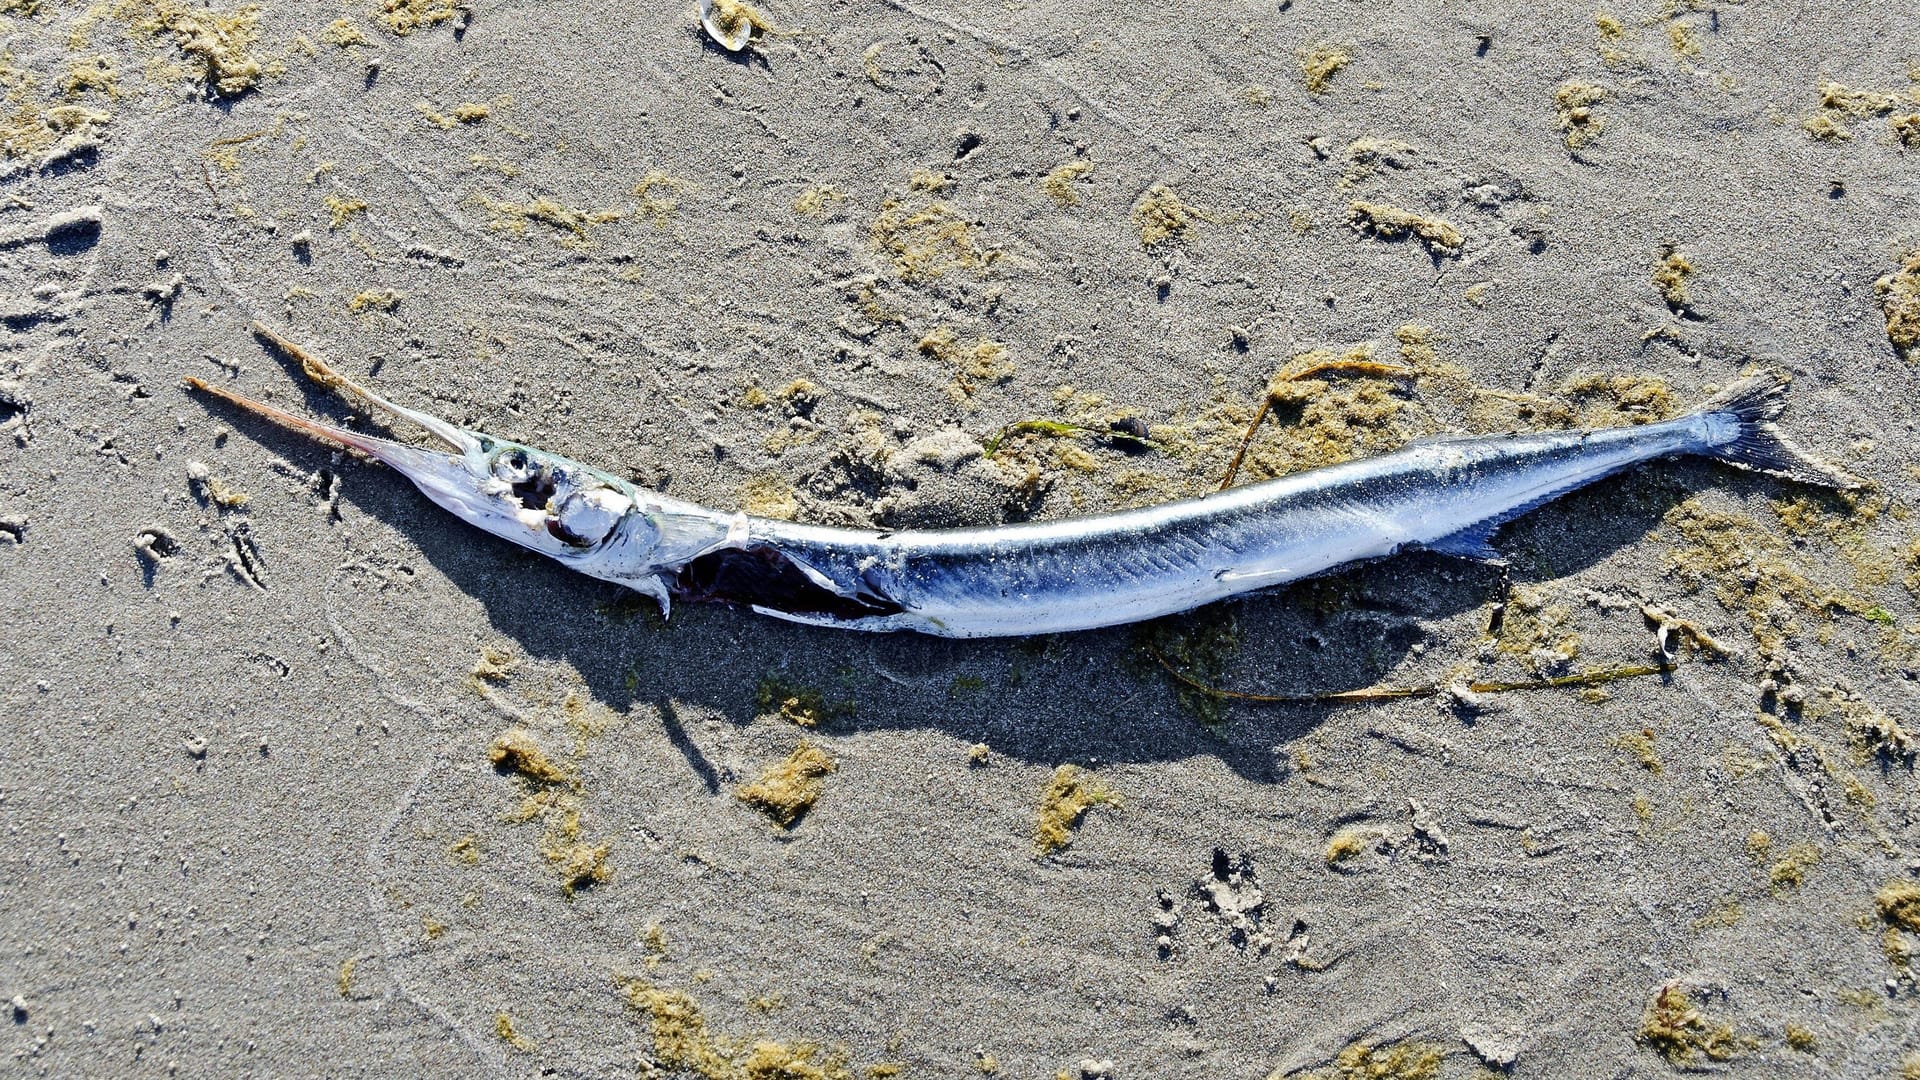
(249, 686)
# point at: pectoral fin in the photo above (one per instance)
(651, 585)
(1245, 580)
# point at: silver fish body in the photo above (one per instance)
(1447, 494)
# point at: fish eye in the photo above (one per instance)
(587, 517)
(514, 466)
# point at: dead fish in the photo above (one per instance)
(1447, 494)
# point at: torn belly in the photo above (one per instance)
(763, 577)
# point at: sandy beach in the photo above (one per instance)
(304, 777)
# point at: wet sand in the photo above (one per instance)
(303, 777)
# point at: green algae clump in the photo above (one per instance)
(818, 199)
(684, 1044)
(798, 705)
(789, 789)
(1899, 905)
(1058, 184)
(1161, 216)
(216, 40)
(515, 750)
(1395, 1061)
(1320, 64)
(1670, 276)
(928, 241)
(1392, 223)
(1069, 794)
(1681, 1033)
(1899, 296)
(403, 17)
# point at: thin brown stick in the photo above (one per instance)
(1345, 367)
(1233, 467)
(1351, 367)
(236, 140)
(1385, 693)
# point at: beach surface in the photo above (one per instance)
(302, 776)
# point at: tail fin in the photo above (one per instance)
(1750, 407)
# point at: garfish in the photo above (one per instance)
(1446, 494)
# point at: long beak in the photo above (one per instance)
(318, 370)
(410, 460)
(430, 469)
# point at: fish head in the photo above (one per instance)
(537, 499)
(594, 522)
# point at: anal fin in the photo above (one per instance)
(1473, 542)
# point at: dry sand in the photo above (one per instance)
(322, 782)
